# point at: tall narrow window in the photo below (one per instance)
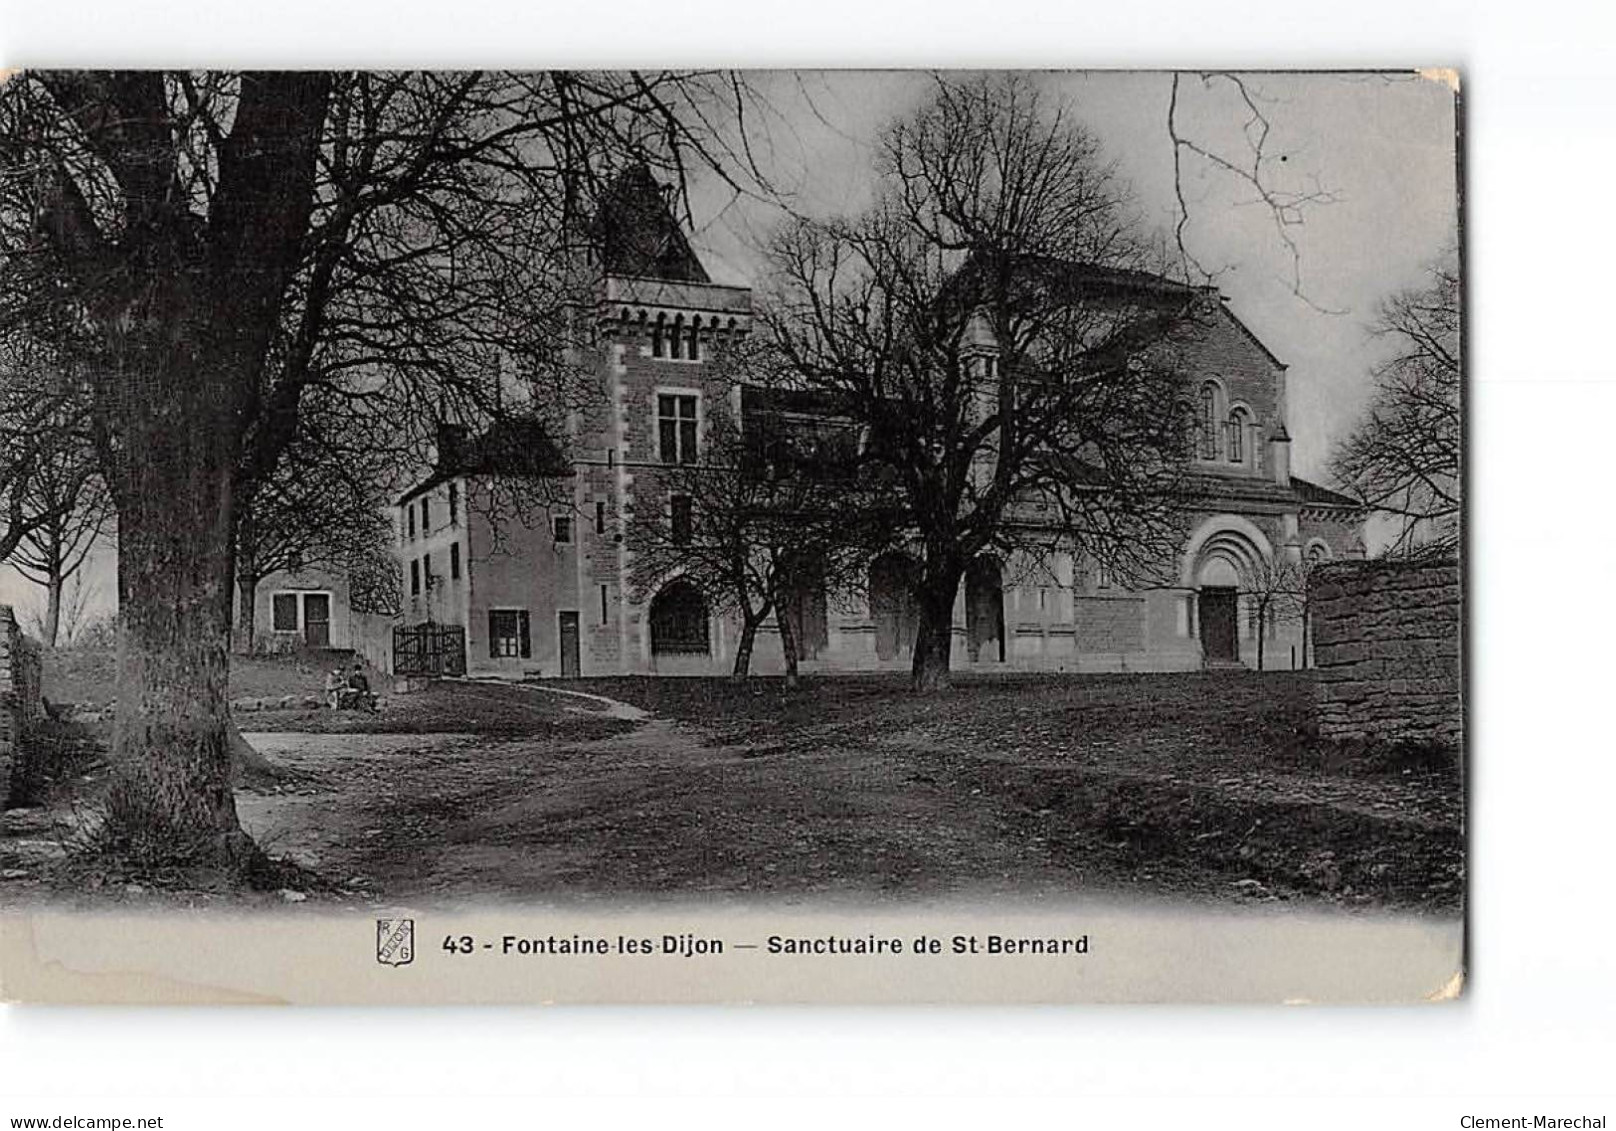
(454, 503)
(409, 520)
(426, 570)
(600, 518)
(1209, 418)
(426, 517)
(694, 352)
(675, 335)
(454, 561)
(415, 579)
(1237, 436)
(683, 522)
(676, 428)
(603, 604)
(656, 337)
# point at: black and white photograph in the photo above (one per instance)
(700, 535)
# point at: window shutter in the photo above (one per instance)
(525, 645)
(493, 635)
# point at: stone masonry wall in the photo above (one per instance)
(1386, 645)
(1109, 624)
(20, 703)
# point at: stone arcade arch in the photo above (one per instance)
(892, 604)
(680, 621)
(984, 610)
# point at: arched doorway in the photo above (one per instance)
(804, 603)
(984, 610)
(892, 604)
(679, 621)
(1225, 553)
(1218, 609)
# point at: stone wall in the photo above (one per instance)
(1109, 624)
(1386, 640)
(20, 703)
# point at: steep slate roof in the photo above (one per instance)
(758, 399)
(1315, 496)
(508, 447)
(637, 234)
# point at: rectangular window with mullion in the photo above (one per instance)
(676, 428)
(508, 634)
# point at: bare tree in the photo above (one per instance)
(46, 454)
(1276, 591)
(236, 249)
(68, 510)
(1403, 459)
(986, 322)
(766, 516)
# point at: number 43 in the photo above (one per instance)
(464, 944)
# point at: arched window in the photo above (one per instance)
(1237, 436)
(674, 336)
(679, 620)
(1209, 421)
(656, 336)
(694, 353)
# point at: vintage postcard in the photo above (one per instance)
(663, 536)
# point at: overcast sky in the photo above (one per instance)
(1384, 147)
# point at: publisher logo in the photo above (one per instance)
(395, 941)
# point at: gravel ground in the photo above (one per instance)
(1202, 786)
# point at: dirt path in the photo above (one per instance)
(659, 811)
(860, 792)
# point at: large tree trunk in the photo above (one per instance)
(171, 799)
(187, 306)
(934, 642)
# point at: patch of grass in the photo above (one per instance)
(490, 709)
(89, 677)
(58, 752)
(1201, 782)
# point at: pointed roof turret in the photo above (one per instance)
(638, 235)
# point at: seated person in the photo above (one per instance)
(334, 688)
(357, 694)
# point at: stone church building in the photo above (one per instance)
(553, 595)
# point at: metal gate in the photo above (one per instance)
(429, 649)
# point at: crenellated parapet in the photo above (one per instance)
(674, 309)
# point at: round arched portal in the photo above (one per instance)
(679, 621)
(1223, 553)
(892, 604)
(984, 609)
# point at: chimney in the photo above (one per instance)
(1279, 456)
(451, 446)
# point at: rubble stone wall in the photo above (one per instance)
(20, 702)
(1386, 638)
